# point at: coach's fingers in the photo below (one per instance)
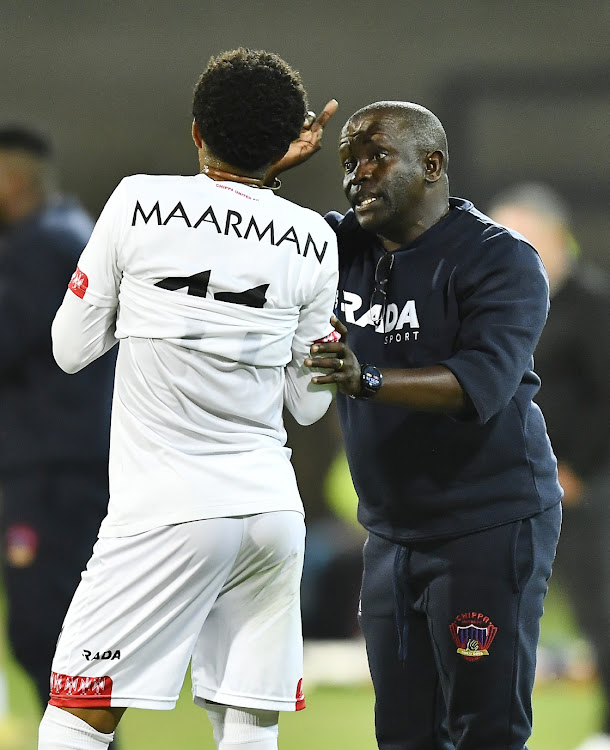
(339, 327)
(325, 363)
(328, 349)
(346, 381)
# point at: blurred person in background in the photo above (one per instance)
(573, 361)
(54, 429)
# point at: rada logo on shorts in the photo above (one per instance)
(473, 633)
(105, 655)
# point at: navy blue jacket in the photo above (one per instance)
(46, 416)
(473, 296)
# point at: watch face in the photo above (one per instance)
(372, 377)
(371, 380)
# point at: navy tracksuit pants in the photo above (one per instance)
(451, 629)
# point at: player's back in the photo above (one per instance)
(213, 280)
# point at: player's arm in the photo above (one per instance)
(81, 333)
(306, 402)
(303, 400)
(84, 325)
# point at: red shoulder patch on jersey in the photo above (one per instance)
(78, 283)
(80, 692)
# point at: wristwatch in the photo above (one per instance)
(370, 381)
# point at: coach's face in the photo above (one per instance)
(383, 173)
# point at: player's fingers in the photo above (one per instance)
(328, 111)
(325, 115)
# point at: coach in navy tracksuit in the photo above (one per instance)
(456, 479)
(54, 428)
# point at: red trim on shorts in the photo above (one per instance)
(80, 692)
(300, 704)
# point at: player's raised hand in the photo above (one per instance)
(308, 142)
(337, 357)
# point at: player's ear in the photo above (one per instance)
(197, 135)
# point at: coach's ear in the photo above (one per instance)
(197, 136)
(434, 165)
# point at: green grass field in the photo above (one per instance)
(336, 718)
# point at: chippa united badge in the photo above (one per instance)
(473, 634)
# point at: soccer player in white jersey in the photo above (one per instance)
(215, 288)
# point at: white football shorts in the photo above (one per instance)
(223, 592)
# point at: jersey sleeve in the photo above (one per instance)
(307, 402)
(83, 328)
(503, 306)
(81, 333)
(98, 276)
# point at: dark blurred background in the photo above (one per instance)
(522, 87)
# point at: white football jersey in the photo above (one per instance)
(216, 291)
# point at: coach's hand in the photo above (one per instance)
(308, 142)
(337, 357)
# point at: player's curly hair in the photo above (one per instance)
(249, 105)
